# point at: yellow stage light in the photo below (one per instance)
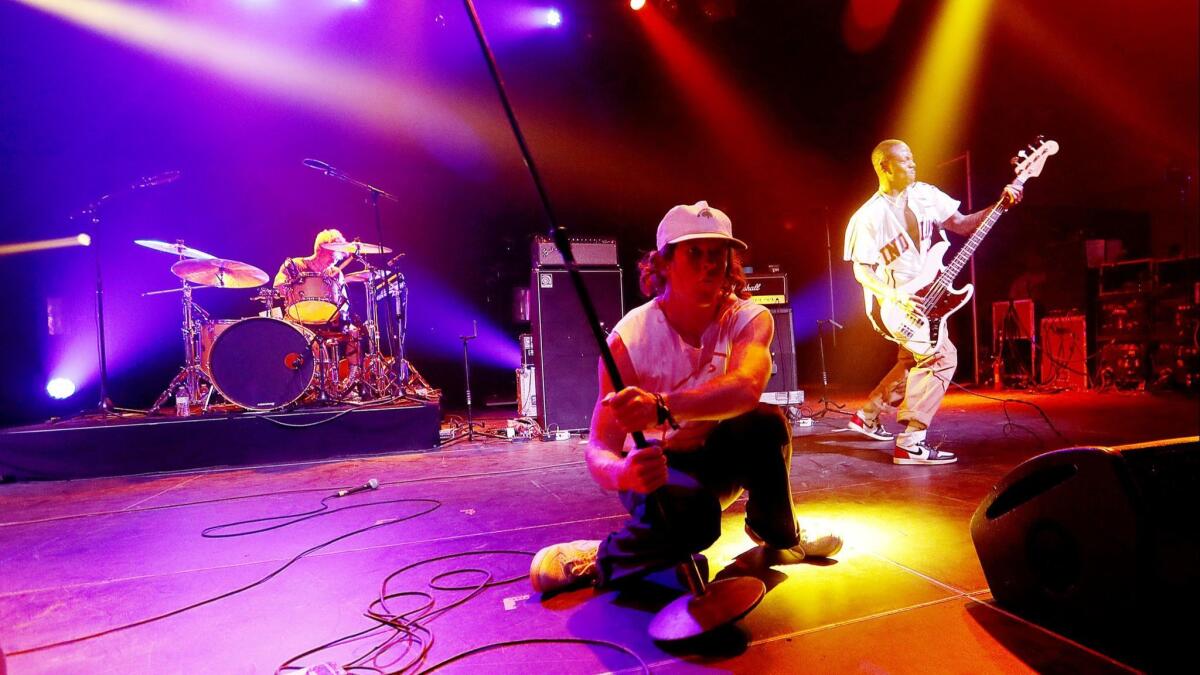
(937, 100)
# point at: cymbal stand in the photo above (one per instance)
(397, 294)
(192, 375)
(374, 368)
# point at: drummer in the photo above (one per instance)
(325, 263)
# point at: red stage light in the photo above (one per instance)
(636, 5)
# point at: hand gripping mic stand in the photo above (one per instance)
(706, 606)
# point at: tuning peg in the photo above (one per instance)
(1041, 138)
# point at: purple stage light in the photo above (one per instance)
(553, 18)
(60, 388)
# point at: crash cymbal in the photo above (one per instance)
(357, 277)
(177, 248)
(359, 247)
(220, 273)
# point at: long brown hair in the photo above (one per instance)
(652, 275)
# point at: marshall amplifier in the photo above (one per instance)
(588, 252)
(768, 289)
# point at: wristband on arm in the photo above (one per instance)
(664, 413)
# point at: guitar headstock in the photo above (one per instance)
(1028, 163)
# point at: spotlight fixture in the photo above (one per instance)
(637, 5)
(60, 388)
(553, 18)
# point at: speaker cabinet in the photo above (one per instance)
(1099, 543)
(566, 354)
(783, 352)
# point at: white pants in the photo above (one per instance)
(916, 387)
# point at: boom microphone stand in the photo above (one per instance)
(467, 372)
(827, 406)
(104, 407)
(706, 606)
(396, 324)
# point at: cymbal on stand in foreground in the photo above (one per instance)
(220, 273)
(177, 248)
(356, 247)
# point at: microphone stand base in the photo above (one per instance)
(720, 604)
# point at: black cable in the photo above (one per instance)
(533, 641)
(408, 630)
(1009, 423)
(289, 519)
(333, 416)
(208, 601)
(201, 502)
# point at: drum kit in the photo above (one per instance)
(299, 349)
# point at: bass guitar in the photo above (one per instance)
(920, 325)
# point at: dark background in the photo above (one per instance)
(234, 93)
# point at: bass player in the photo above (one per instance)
(888, 240)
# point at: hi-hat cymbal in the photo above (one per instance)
(359, 247)
(177, 248)
(220, 273)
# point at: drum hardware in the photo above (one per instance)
(385, 375)
(269, 297)
(220, 273)
(395, 342)
(192, 377)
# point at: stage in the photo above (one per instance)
(907, 594)
(91, 446)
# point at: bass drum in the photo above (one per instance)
(261, 363)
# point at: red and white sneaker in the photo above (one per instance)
(920, 453)
(870, 429)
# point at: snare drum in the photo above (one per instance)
(262, 364)
(311, 299)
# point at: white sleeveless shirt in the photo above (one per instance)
(664, 362)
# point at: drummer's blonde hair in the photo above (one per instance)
(326, 236)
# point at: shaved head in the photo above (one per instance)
(884, 150)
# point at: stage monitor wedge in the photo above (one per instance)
(1099, 543)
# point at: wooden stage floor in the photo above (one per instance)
(907, 594)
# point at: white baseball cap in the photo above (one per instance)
(697, 221)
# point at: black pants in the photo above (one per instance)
(751, 452)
